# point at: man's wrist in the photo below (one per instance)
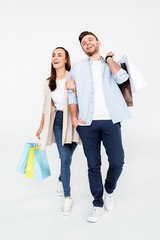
(108, 58)
(74, 118)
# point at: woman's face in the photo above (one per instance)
(58, 58)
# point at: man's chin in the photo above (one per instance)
(90, 54)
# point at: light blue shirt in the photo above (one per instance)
(82, 75)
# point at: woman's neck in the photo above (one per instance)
(60, 73)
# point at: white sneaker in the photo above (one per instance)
(60, 188)
(96, 214)
(66, 210)
(108, 201)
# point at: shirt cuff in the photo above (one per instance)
(121, 76)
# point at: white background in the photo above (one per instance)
(30, 30)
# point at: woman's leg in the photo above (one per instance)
(64, 152)
(73, 146)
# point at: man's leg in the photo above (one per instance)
(111, 137)
(91, 140)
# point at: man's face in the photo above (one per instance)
(90, 45)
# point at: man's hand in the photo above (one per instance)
(75, 121)
(110, 53)
(71, 84)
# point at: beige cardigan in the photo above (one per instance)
(69, 133)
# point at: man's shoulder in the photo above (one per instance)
(80, 63)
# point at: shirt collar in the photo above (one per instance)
(90, 60)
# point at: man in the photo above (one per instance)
(97, 107)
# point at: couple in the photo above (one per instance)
(91, 110)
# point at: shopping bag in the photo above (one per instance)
(136, 79)
(30, 162)
(21, 166)
(41, 168)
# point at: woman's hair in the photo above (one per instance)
(52, 78)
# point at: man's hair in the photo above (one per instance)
(83, 34)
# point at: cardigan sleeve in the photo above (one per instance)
(44, 105)
(44, 94)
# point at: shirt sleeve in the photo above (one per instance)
(121, 76)
(72, 98)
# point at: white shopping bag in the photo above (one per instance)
(136, 79)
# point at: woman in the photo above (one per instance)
(56, 121)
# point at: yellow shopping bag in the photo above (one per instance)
(30, 162)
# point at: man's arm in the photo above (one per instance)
(71, 85)
(119, 74)
(73, 108)
(113, 66)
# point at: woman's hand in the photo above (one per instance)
(38, 133)
(71, 84)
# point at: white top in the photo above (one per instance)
(58, 94)
(100, 109)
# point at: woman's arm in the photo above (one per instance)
(40, 127)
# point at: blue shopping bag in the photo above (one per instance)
(41, 168)
(21, 166)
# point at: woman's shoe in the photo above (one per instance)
(60, 191)
(66, 210)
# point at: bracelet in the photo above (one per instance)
(107, 57)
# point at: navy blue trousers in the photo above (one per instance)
(110, 135)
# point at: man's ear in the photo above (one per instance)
(99, 43)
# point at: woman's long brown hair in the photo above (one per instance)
(52, 78)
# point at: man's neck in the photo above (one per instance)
(96, 57)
